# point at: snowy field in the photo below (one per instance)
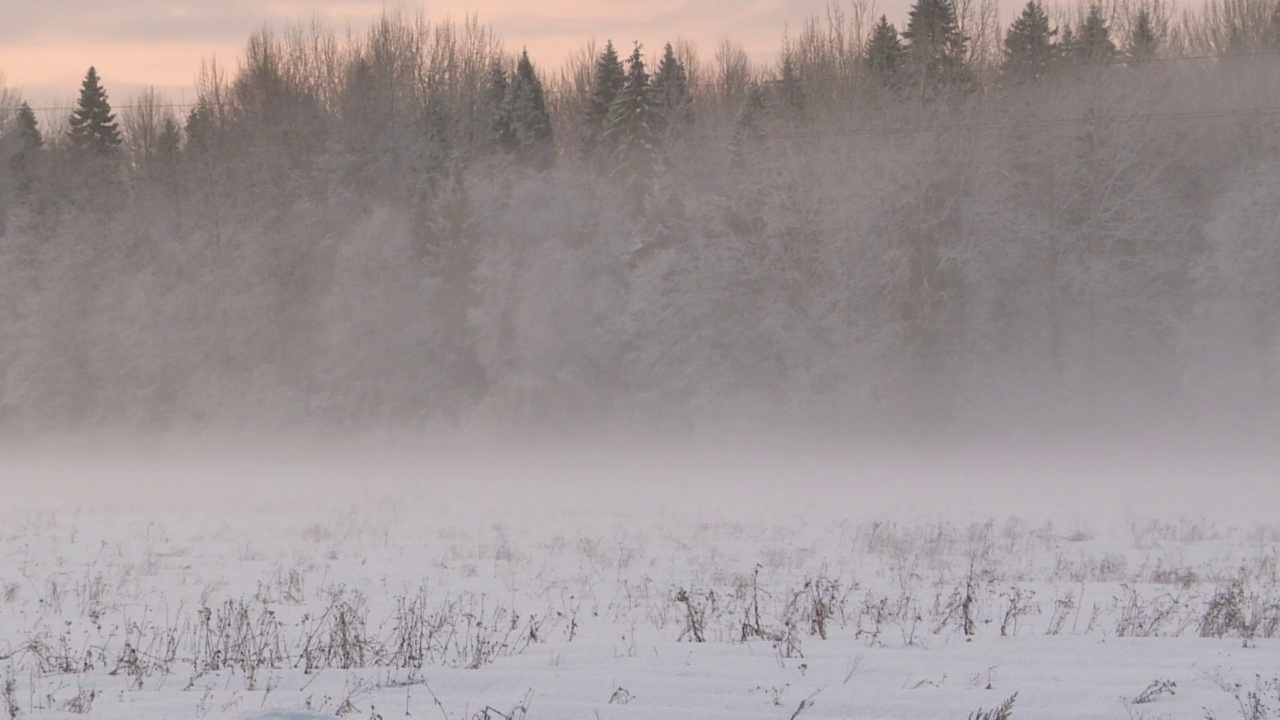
(626, 584)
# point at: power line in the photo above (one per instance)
(132, 106)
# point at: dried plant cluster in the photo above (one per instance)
(349, 615)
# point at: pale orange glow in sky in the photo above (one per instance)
(47, 45)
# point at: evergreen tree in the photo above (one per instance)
(160, 163)
(671, 90)
(169, 145)
(170, 141)
(1273, 32)
(1064, 51)
(884, 53)
(1028, 46)
(791, 89)
(20, 145)
(633, 127)
(504, 135)
(25, 133)
(633, 117)
(1093, 42)
(93, 126)
(609, 79)
(935, 46)
(1142, 37)
(448, 243)
(198, 127)
(526, 107)
(746, 127)
(202, 127)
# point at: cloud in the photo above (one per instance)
(201, 21)
(194, 21)
(46, 45)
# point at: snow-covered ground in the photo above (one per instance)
(627, 584)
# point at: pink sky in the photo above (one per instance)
(46, 45)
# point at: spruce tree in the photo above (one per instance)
(747, 127)
(632, 129)
(1093, 42)
(791, 89)
(1064, 52)
(609, 79)
(1273, 32)
(884, 52)
(1142, 37)
(633, 117)
(202, 126)
(504, 136)
(93, 126)
(530, 123)
(169, 143)
(26, 131)
(1028, 46)
(21, 143)
(935, 46)
(671, 90)
(170, 140)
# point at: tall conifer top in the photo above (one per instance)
(93, 126)
(530, 121)
(1029, 46)
(27, 131)
(1093, 40)
(671, 88)
(934, 41)
(884, 51)
(1143, 39)
(609, 79)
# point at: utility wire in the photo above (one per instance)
(130, 106)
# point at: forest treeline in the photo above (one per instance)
(1072, 220)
